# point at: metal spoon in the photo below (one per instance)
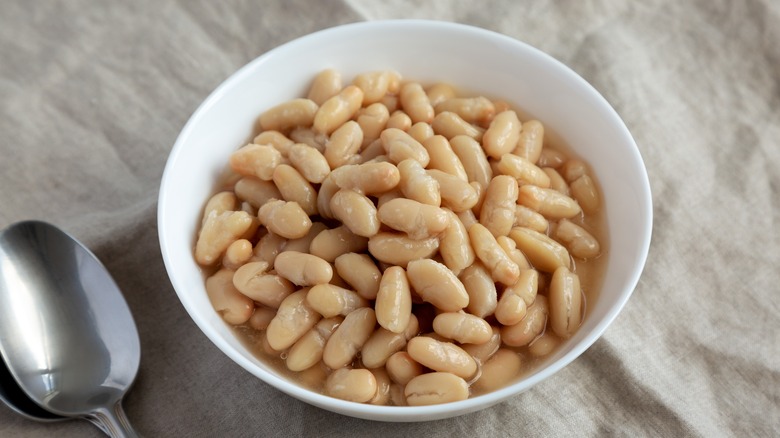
(66, 333)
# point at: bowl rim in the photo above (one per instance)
(404, 413)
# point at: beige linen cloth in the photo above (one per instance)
(94, 93)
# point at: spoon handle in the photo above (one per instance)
(113, 421)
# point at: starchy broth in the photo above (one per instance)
(416, 186)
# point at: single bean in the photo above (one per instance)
(293, 319)
(421, 131)
(523, 170)
(238, 253)
(268, 247)
(256, 160)
(383, 343)
(417, 220)
(399, 146)
(285, 218)
(218, 232)
(436, 284)
(483, 352)
(525, 217)
(327, 189)
(253, 280)
(349, 337)
(355, 211)
(373, 152)
(510, 248)
(308, 136)
(311, 164)
(477, 110)
(451, 125)
(487, 249)
(522, 333)
(544, 345)
(344, 144)
(338, 109)
(531, 143)
(394, 300)
(462, 327)
(330, 300)
(548, 202)
(275, 139)
(261, 317)
(391, 102)
(307, 351)
(544, 253)
(577, 240)
(302, 244)
(383, 384)
(481, 289)
(415, 183)
(498, 210)
(303, 269)
(326, 84)
(372, 120)
(440, 92)
(499, 371)
(435, 388)
(557, 182)
(572, 169)
(454, 245)
(296, 112)
(295, 188)
(360, 272)
(550, 158)
(473, 158)
(456, 194)
(502, 135)
(399, 120)
(329, 244)
(467, 218)
(441, 356)
(415, 103)
(376, 84)
(442, 156)
(565, 299)
(399, 249)
(219, 203)
(402, 368)
(233, 306)
(514, 302)
(356, 385)
(367, 178)
(256, 191)
(583, 189)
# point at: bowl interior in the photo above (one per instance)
(479, 62)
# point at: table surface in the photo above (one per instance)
(93, 95)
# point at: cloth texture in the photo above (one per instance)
(93, 95)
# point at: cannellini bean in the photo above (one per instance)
(256, 160)
(502, 135)
(476, 110)
(343, 144)
(454, 245)
(233, 306)
(577, 240)
(456, 194)
(525, 217)
(530, 145)
(522, 333)
(367, 178)
(314, 377)
(572, 169)
(296, 112)
(220, 203)
(330, 300)
(510, 248)
(360, 272)
(253, 280)
(338, 109)
(261, 317)
(499, 371)
(544, 253)
(238, 253)
(285, 218)
(442, 156)
(467, 218)
(514, 302)
(307, 351)
(402, 368)
(473, 159)
(451, 125)
(302, 244)
(550, 203)
(275, 139)
(436, 284)
(415, 103)
(326, 84)
(484, 351)
(373, 153)
(391, 102)
(356, 385)
(490, 253)
(441, 356)
(329, 244)
(399, 120)
(557, 182)
(268, 247)
(376, 84)
(303, 269)
(311, 164)
(550, 158)
(523, 170)
(399, 146)
(399, 249)
(309, 137)
(462, 327)
(327, 189)
(355, 211)
(293, 319)
(394, 300)
(397, 397)
(218, 232)
(295, 188)
(416, 219)
(372, 120)
(565, 299)
(383, 384)
(584, 191)
(481, 289)
(383, 343)
(435, 388)
(438, 93)
(421, 132)
(256, 191)
(349, 337)
(544, 345)
(415, 183)
(498, 210)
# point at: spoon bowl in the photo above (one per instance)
(66, 333)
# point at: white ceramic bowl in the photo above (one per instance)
(477, 60)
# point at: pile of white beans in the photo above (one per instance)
(400, 245)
